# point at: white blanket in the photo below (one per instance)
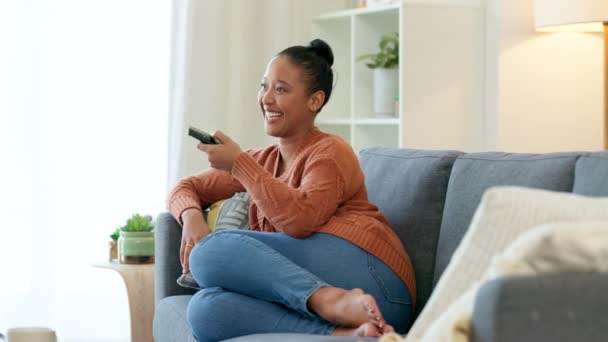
(554, 247)
(504, 214)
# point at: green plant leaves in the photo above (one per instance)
(138, 223)
(115, 235)
(388, 56)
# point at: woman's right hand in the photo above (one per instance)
(194, 229)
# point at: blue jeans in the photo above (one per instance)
(257, 282)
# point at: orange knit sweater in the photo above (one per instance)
(322, 191)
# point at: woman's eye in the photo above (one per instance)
(280, 90)
(263, 86)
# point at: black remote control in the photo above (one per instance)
(203, 137)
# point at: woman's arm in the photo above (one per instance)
(195, 228)
(189, 197)
(200, 191)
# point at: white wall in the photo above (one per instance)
(543, 90)
(476, 75)
(443, 74)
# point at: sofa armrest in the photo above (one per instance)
(167, 268)
(548, 307)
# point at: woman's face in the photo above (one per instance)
(287, 107)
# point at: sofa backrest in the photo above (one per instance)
(473, 173)
(591, 174)
(409, 187)
(429, 197)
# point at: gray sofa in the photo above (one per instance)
(429, 197)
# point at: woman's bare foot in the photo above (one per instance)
(347, 308)
(365, 330)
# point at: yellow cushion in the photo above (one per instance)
(213, 213)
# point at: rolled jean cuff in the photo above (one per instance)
(311, 291)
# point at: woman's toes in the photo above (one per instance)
(388, 329)
(353, 308)
(373, 313)
(367, 330)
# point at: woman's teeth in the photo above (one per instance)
(273, 115)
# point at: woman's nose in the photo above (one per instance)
(267, 96)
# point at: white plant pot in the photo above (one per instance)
(386, 88)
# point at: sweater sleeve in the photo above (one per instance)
(201, 190)
(300, 211)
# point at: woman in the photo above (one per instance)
(319, 258)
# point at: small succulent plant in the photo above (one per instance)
(138, 223)
(115, 235)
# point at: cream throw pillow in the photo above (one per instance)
(503, 214)
(553, 247)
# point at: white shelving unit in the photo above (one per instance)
(441, 74)
(349, 113)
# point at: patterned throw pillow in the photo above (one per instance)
(231, 213)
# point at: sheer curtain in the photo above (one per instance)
(220, 52)
(83, 141)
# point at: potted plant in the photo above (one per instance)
(386, 74)
(113, 255)
(136, 242)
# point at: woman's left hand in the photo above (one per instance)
(223, 155)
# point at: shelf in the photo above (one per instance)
(350, 112)
(443, 3)
(428, 77)
(356, 11)
(359, 121)
(331, 121)
(379, 9)
(376, 121)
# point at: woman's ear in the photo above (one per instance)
(315, 101)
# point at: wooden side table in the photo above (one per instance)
(139, 281)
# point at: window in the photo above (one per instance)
(83, 142)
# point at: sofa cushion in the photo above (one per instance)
(549, 307)
(170, 323)
(505, 215)
(167, 267)
(409, 187)
(591, 175)
(232, 213)
(298, 338)
(473, 173)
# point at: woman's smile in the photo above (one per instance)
(272, 117)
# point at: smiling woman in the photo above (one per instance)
(319, 254)
(84, 130)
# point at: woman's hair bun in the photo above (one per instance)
(322, 49)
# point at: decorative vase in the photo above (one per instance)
(136, 247)
(112, 250)
(386, 89)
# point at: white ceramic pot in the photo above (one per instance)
(386, 88)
